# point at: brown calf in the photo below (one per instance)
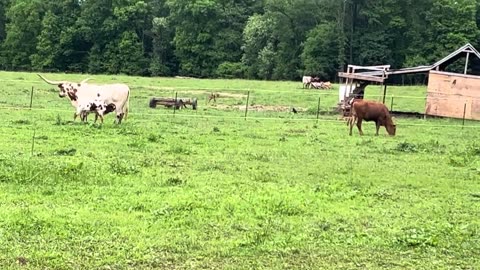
(371, 111)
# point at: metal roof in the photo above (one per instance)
(374, 75)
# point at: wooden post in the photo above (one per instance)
(175, 104)
(246, 107)
(464, 112)
(425, 106)
(466, 63)
(31, 98)
(391, 105)
(384, 92)
(318, 108)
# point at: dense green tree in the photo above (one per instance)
(256, 37)
(22, 30)
(451, 24)
(322, 43)
(48, 46)
(267, 39)
(207, 33)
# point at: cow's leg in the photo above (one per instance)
(119, 118)
(377, 124)
(119, 113)
(359, 126)
(351, 122)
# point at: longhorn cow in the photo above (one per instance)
(82, 92)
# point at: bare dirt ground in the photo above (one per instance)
(258, 108)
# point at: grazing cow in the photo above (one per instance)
(307, 80)
(371, 111)
(213, 96)
(326, 85)
(317, 85)
(118, 94)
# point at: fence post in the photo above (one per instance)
(31, 98)
(391, 105)
(318, 108)
(464, 112)
(384, 93)
(175, 104)
(425, 113)
(246, 107)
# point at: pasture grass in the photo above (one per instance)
(207, 189)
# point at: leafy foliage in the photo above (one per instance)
(269, 39)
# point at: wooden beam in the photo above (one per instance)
(380, 67)
(357, 76)
(466, 63)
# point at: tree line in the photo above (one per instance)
(254, 39)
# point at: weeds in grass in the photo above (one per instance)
(180, 150)
(416, 238)
(263, 157)
(123, 167)
(65, 152)
(465, 157)
(432, 146)
(22, 122)
(137, 144)
(58, 121)
(265, 177)
(174, 181)
(154, 138)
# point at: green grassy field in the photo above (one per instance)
(208, 189)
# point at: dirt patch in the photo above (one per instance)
(259, 108)
(197, 92)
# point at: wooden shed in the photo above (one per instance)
(454, 95)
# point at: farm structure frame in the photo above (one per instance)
(455, 95)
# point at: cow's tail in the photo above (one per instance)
(125, 106)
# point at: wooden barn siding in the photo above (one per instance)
(448, 93)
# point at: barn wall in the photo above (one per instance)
(448, 93)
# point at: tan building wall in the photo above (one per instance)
(448, 93)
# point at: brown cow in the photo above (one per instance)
(371, 111)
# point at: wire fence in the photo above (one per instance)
(259, 104)
(308, 106)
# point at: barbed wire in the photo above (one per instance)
(339, 121)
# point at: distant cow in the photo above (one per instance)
(316, 85)
(326, 85)
(371, 111)
(306, 80)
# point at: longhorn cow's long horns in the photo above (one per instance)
(86, 80)
(50, 82)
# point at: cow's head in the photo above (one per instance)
(110, 108)
(66, 88)
(391, 127)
